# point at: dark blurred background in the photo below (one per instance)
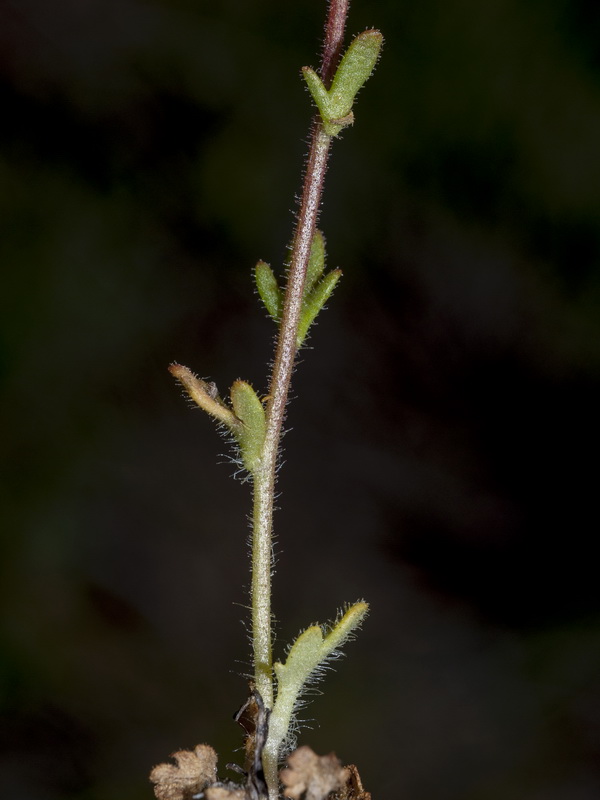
(442, 456)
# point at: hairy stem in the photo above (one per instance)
(334, 38)
(264, 477)
(264, 486)
(285, 353)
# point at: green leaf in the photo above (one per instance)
(266, 282)
(344, 627)
(319, 94)
(251, 413)
(316, 261)
(269, 290)
(356, 67)
(309, 652)
(314, 302)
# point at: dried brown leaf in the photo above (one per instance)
(194, 770)
(312, 777)
(353, 788)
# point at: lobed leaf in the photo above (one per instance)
(308, 653)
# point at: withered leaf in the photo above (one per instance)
(254, 719)
(353, 788)
(194, 770)
(312, 777)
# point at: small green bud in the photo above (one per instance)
(251, 435)
(356, 67)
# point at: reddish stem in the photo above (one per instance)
(334, 39)
(285, 354)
